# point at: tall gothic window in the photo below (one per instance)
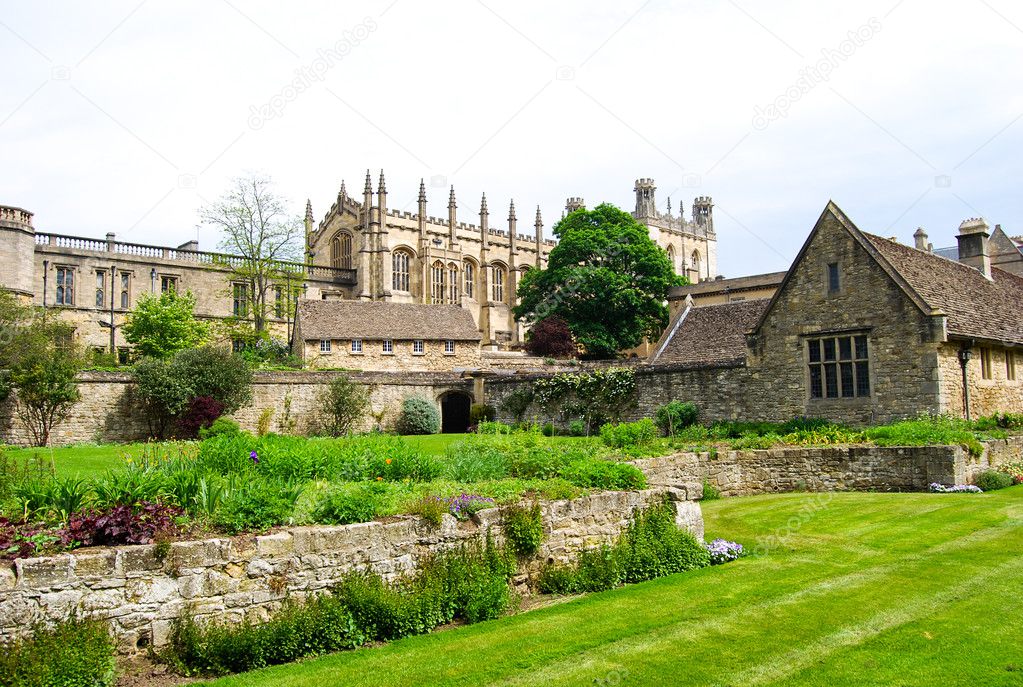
(400, 280)
(101, 281)
(696, 262)
(65, 286)
(497, 284)
(671, 257)
(453, 283)
(341, 251)
(125, 290)
(469, 270)
(437, 274)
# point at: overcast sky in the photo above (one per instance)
(125, 116)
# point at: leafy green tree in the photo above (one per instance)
(159, 326)
(43, 362)
(161, 393)
(256, 224)
(606, 278)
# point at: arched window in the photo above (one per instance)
(497, 284)
(437, 282)
(469, 270)
(400, 280)
(696, 262)
(453, 283)
(671, 257)
(341, 251)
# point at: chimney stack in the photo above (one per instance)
(973, 249)
(920, 238)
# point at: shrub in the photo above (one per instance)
(74, 653)
(517, 403)
(220, 427)
(257, 505)
(1000, 421)
(927, 430)
(628, 434)
(651, 546)
(161, 393)
(481, 412)
(321, 625)
(137, 523)
(675, 416)
(992, 480)
(577, 428)
(540, 462)
(523, 529)
(551, 338)
(431, 509)
(418, 416)
(217, 373)
(343, 404)
(464, 506)
(342, 506)
(202, 412)
(723, 551)
(476, 458)
(604, 474)
(493, 428)
(710, 492)
(1013, 470)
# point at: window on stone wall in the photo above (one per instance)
(324, 345)
(453, 283)
(1010, 365)
(449, 347)
(469, 270)
(279, 302)
(168, 283)
(417, 346)
(400, 276)
(65, 286)
(838, 366)
(497, 284)
(101, 287)
(356, 345)
(437, 282)
(985, 363)
(388, 346)
(833, 278)
(240, 300)
(125, 290)
(341, 251)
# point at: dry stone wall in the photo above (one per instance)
(837, 468)
(140, 592)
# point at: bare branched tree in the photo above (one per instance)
(256, 224)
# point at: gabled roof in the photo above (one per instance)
(339, 319)
(751, 282)
(709, 335)
(975, 306)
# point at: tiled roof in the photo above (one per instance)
(339, 319)
(710, 335)
(975, 306)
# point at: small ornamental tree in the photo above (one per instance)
(343, 404)
(161, 394)
(551, 338)
(160, 326)
(418, 416)
(217, 373)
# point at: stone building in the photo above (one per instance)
(361, 250)
(721, 290)
(862, 329)
(368, 335)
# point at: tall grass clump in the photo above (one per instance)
(74, 653)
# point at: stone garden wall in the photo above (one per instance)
(108, 412)
(900, 468)
(142, 589)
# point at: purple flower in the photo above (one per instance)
(255, 458)
(464, 505)
(723, 551)
(955, 489)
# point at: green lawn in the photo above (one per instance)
(848, 589)
(89, 460)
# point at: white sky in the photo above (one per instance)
(123, 117)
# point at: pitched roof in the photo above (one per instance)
(975, 306)
(709, 335)
(341, 319)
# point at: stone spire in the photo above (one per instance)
(539, 236)
(341, 194)
(422, 191)
(513, 232)
(369, 184)
(308, 213)
(452, 221)
(484, 222)
(382, 187)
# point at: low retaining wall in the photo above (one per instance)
(232, 579)
(837, 468)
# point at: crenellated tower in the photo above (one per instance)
(17, 251)
(646, 201)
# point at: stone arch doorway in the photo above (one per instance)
(454, 412)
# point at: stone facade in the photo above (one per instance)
(248, 578)
(402, 356)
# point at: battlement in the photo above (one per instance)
(12, 215)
